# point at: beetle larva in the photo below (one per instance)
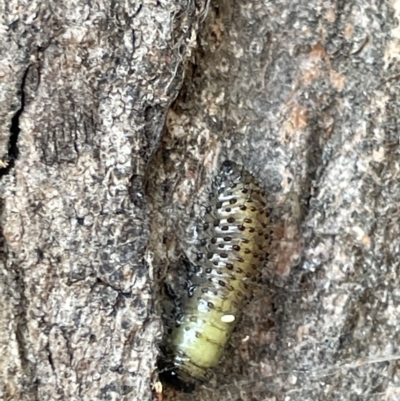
(232, 245)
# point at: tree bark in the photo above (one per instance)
(85, 88)
(116, 115)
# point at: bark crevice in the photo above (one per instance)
(13, 151)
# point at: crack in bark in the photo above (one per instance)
(13, 151)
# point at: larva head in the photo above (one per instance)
(229, 174)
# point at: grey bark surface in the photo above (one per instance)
(116, 115)
(84, 90)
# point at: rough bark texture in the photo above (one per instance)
(85, 87)
(102, 179)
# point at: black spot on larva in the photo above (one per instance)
(191, 290)
(221, 276)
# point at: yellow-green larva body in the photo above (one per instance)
(232, 249)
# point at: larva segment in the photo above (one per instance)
(232, 248)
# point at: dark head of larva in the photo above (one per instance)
(227, 166)
(229, 173)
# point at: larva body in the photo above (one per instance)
(231, 251)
